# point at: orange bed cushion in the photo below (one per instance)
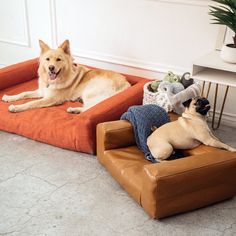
(54, 125)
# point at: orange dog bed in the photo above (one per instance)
(54, 125)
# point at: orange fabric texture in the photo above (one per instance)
(54, 125)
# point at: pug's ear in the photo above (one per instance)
(187, 103)
(65, 46)
(44, 47)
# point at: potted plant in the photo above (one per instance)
(225, 14)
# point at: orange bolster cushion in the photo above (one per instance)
(53, 125)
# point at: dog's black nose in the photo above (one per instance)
(51, 68)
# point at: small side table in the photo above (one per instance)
(212, 70)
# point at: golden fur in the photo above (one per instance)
(61, 80)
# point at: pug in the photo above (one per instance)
(188, 132)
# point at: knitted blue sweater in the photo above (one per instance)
(143, 118)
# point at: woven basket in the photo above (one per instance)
(148, 96)
(160, 99)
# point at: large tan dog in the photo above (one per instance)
(61, 80)
(188, 132)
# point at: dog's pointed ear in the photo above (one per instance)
(44, 47)
(65, 46)
(187, 103)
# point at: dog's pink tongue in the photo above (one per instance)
(52, 76)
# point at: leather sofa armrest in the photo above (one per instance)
(114, 134)
(18, 73)
(188, 183)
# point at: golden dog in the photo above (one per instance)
(188, 132)
(61, 80)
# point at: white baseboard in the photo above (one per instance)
(127, 61)
(126, 65)
(227, 119)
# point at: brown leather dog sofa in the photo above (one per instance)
(204, 176)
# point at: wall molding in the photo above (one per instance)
(125, 61)
(108, 58)
(53, 19)
(26, 43)
(113, 59)
(187, 2)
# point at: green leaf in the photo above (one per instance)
(224, 13)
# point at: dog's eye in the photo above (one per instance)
(58, 59)
(48, 59)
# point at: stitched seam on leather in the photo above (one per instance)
(156, 213)
(192, 170)
(113, 149)
(115, 130)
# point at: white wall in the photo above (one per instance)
(143, 37)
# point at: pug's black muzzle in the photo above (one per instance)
(202, 106)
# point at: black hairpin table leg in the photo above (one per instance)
(214, 127)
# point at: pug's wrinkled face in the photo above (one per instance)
(199, 105)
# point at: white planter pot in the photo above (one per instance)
(228, 54)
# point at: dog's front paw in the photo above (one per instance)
(6, 98)
(13, 108)
(74, 110)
